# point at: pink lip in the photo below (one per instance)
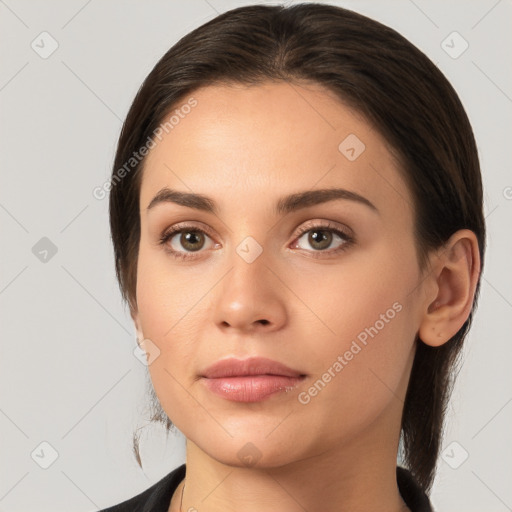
(250, 380)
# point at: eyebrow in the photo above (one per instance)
(284, 205)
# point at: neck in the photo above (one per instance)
(357, 477)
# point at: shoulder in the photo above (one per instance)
(154, 499)
(411, 492)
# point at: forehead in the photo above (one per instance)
(240, 142)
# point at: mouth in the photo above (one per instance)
(250, 380)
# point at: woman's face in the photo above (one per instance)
(342, 308)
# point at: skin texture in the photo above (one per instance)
(246, 147)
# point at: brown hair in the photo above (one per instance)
(371, 68)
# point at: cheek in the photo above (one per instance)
(364, 314)
(173, 305)
(166, 294)
(368, 288)
(168, 307)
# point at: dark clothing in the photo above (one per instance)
(158, 497)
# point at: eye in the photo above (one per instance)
(191, 238)
(321, 237)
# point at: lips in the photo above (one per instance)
(246, 367)
(250, 380)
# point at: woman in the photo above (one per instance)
(296, 212)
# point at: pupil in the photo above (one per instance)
(317, 237)
(190, 239)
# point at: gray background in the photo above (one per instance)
(68, 374)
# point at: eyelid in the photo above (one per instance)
(326, 224)
(181, 226)
(313, 223)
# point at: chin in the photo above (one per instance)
(248, 451)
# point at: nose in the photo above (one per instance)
(252, 297)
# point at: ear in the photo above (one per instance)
(452, 281)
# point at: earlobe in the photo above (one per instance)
(454, 276)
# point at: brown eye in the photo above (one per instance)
(321, 238)
(192, 240)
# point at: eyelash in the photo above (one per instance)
(180, 228)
